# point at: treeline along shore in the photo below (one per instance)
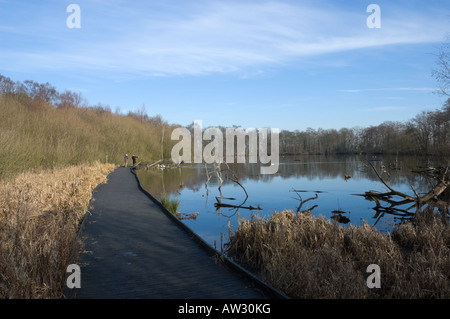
(428, 133)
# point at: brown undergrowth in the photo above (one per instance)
(40, 214)
(311, 257)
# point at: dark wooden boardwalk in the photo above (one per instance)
(133, 249)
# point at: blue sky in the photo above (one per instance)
(280, 64)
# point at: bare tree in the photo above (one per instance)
(7, 86)
(442, 73)
(69, 99)
(42, 91)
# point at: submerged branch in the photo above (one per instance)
(218, 204)
(417, 201)
(232, 177)
(304, 201)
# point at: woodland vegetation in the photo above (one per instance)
(428, 134)
(43, 128)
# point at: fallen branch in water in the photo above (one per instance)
(218, 204)
(417, 201)
(234, 179)
(151, 165)
(230, 175)
(304, 201)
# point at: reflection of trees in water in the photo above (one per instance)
(395, 171)
(309, 167)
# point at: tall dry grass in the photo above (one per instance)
(311, 257)
(40, 214)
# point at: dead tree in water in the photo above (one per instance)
(303, 201)
(435, 197)
(230, 175)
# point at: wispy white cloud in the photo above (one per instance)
(386, 89)
(384, 108)
(212, 36)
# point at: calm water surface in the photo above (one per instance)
(311, 175)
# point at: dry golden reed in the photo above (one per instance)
(40, 214)
(311, 257)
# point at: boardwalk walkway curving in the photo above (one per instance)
(133, 249)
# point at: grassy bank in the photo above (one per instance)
(310, 257)
(35, 135)
(40, 215)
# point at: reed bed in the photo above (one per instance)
(311, 257)
(40, 214)
(171, 204)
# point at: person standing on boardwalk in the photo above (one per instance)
(126, 160)
(134, 158)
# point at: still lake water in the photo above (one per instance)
(311, 175)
